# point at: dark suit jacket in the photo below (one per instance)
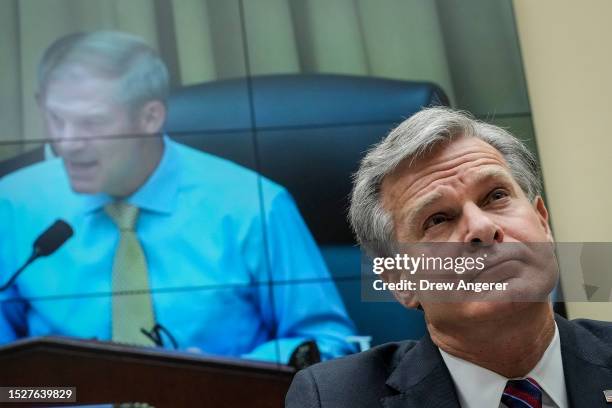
(413, 374)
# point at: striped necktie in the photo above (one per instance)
(131, 311)
(525, 393)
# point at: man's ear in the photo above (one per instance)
(542, 212)
(152, 117)
(408, 298)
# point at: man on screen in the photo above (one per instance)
(164, 236)
(445, 179)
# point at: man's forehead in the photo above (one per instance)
(60, 104)
(83, 93)
(478, 177)
(86, 66)
(464, 156)
(443, 156)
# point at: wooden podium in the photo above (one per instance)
(112, 373)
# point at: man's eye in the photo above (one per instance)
(497, 194)
(435, 220)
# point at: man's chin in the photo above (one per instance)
(485, 311)
(480, 311)
(83, 187)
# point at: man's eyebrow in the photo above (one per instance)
(421, 205)
(490, 173)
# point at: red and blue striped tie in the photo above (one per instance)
(525, 393)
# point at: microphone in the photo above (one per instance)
(54, 237)
(47, 243)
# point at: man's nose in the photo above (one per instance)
(71, 138)
(480, 228)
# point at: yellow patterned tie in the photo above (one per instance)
(131, 311)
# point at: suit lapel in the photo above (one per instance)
(587, 365)
(422, 380)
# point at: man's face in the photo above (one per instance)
(87, 126)
(463, 192)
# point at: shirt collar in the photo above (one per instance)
(157, 194)
(478, 387)
(549, 372)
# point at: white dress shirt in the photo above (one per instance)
(478, 387)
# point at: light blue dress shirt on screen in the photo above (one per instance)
(204, 235)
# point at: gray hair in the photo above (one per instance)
(411, 140)
(140, 73)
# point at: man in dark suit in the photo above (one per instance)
(443, 177)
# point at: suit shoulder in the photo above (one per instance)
(600, 330)
(590, 340)
(379, 356)
(362, 375)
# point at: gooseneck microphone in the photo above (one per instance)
(47, 243)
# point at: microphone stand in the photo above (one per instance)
(31, 259)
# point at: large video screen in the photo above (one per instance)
(176, 173)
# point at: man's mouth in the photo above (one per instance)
(499, 271)
(81, 168)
